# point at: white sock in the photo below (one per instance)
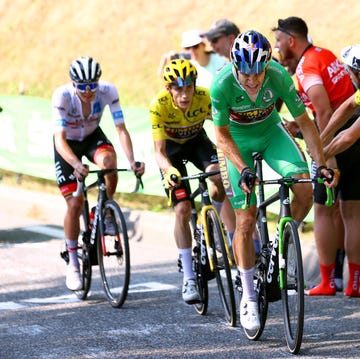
(185, 256)
(71, 245)
(247, 281)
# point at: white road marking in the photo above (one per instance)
(48, 231)
(71, 298)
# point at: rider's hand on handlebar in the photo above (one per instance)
(331, 176)
(81, 171)
(138, 168)
(172, 178)
(247, 180)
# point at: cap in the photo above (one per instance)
(191, 38)
(351, 56)
(221, 27)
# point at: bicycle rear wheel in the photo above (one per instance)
(114, 256)
(260, 284)
(293, 293)
(221, 266)
(201, 281)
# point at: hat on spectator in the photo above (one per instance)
(221, 27)
(191, 38)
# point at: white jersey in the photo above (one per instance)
(67, 110)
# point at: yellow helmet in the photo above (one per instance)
(179, 72)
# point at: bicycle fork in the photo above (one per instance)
(282, 263)
(205, 233)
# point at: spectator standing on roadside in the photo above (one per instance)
(221, 36)
(206, 62)
(346, 140)
(323, 85)
(77, 109)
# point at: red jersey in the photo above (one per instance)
(320, 66)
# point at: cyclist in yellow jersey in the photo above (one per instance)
(177, 117)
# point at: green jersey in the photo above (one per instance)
(257, 126)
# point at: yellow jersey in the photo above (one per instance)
(170, 123)
(357, 97)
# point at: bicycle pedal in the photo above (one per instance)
(65, 256)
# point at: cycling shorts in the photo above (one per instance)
(277, 147)
(200, 151)
(348, 163)
(89, 147)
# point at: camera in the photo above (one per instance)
(181, 55)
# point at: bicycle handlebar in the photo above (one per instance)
(200, 176)
(81, 184)
(289, 181)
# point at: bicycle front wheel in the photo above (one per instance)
(293, 292)
(217, 253)
(114, 255)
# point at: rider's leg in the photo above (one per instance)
(107, 159)
(72, 226)
(350, 210)
(220, 201)
(183, 238)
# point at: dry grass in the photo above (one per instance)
(39, 38)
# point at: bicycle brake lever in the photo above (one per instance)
(79, 188)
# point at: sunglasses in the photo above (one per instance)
(216, 39)
(90, 86)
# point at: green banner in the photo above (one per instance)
(26, 142)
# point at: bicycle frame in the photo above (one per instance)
(206, 204)
(285, 216)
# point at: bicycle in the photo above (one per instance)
(280, 258)
(100, 246)
(211, 253)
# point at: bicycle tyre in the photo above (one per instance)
(261, 264)
(85, 271)
(222, 268)
(114, 256)
(201, 281)
(293, 293)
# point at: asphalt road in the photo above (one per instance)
(40, 318)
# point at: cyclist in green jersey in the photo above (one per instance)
(243, 97)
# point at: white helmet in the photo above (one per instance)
(85, 70)
(351, 56)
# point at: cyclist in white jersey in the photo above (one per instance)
(77, 109)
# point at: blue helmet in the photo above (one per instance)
(251, 52)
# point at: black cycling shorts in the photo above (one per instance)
(200, 151)
(65, 178)
(348, 163)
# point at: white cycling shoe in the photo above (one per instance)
(73, 278)
(190, 293)
(249, 315)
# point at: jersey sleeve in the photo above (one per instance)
(290, 96)
(219, 105)
(60, 103)
(156, 110)
(357, 97)
(114, 105)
